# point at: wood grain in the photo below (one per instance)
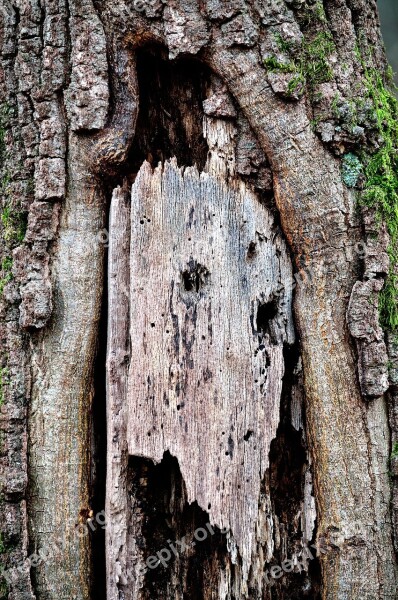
(209, 317)
(118, 350)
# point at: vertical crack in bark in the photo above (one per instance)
(99, 448)
(291, 491)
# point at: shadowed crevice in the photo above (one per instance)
(181, 532)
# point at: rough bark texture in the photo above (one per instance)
(315, 426)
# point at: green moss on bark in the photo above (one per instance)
(14, 225)
(381, 184)
(13, 220)
(394, 453)
(3, 583)
(273, 65)
(6, 274)
(310, 63)
(3, 381)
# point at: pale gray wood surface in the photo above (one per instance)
(118, 351)
(206, 375)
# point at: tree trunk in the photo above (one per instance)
(197, 398)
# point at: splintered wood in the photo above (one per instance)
(117, 506)
(209, 314)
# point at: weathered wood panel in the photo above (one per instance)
(209, 317)
(118, 351)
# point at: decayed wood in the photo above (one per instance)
(209, 316)
(117, 507)
(224, 570)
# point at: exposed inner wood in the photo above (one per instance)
(208, 325)
(117, 506)
(210, 316)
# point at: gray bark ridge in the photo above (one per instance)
(53, 281)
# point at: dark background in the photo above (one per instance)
(389, 24)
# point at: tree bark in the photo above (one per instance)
(250, 392)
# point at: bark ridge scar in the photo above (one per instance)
(363, 323)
